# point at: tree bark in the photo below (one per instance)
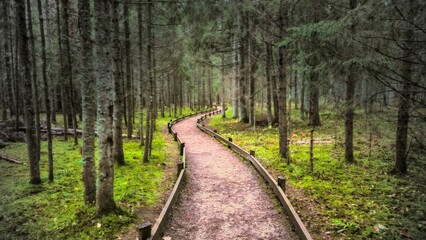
(105, 87)
(118, 154)
(46, 91)
(268, 50)
(404, 101)
(8, 59)
(25, 63)
(350, 94)
(128, 88)
(34, 77)
(282, 84)
(88, 83)
(141, 75)
(150, 86)
(243, 114)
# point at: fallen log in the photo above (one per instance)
(10, 159)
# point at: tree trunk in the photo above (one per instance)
(88, 83)
(282, 85)
(117, 152)
(141, 82)
(268, 50)
(404, 101)
(243, 114)
(105, 86)
(350, 94)
(8, 59)
(25, 63)
(235, 89)
(128, 88)
(34, 77)
(67, 73)
(46, 91)
(150, 86)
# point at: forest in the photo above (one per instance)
(329, 95)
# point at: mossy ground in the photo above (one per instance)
(359, 200)
(56, 210)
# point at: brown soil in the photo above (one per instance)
(222, 198)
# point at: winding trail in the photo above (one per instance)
(222, 197)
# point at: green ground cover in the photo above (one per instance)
(56, 210)
(360, 200)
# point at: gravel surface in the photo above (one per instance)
(222, 197)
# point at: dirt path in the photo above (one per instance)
(222, 198)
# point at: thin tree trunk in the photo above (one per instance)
(46, 91)
(28, 99)
(105, 86)
(34, 77)
(350, 94)
(8, 59)
(282, 85)
(404, 101)
(268, 50)
(141, 82)
(235, 90)
(243, 114)
(88, 83)
(150, 86)
(128, 88)
(117, 151)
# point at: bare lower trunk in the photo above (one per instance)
(105, 86)
(28, 95)
(88, 83)
(282, 85)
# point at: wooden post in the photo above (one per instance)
(253, 153)
(175, 136)
(229, 146)
(182, 146)
(144, 231)
(281, 182)
(179, 168)
(170, 126)
(214, 130)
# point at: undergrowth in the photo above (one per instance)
(56, 210)
(360, 200)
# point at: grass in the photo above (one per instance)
(56, 210)
(360, 200)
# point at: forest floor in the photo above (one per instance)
(223, 197)
(339, 200)
(56, 210)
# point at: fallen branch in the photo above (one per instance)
(10, 159)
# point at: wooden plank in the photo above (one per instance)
(161, 220)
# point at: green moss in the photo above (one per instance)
(56, 210)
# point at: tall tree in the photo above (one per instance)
(128, 95)
(105, 87)
(34, 76)
(25, 63)
(141, 82)
(282, 83)
(88, 83)
(8, 58)
(150, 107)
(350, 94)
(405, 92)
(46, 90)
(118, 154)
